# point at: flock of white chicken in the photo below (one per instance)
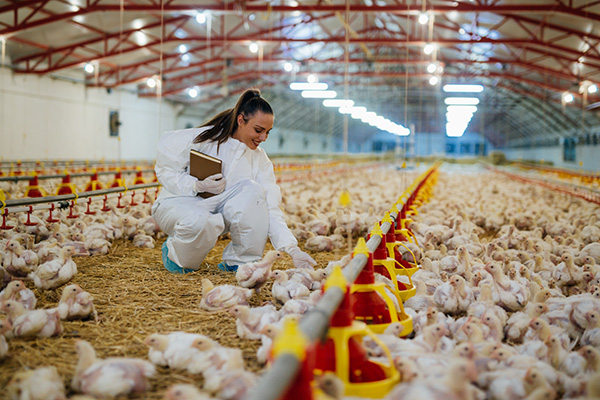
(507, 303)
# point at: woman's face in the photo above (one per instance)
(254, 130)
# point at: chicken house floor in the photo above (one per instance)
(135, 296)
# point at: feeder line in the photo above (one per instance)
(47, 200)
(315, 323)
(18, 178)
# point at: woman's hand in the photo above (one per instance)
(300, 258)
(214, 184)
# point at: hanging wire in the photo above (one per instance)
(3, 40)
(121, 17)
(404, 176)
(346, 73)
(159, 84)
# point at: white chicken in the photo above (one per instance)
(285, 289)
(312, 279)
(57, 272)
(110, 377)
(254, 275)
(591, 336)
(17, 261)
(141, 239)
(37, 384)
(25, 323)
(455, 385)
(16, 290)
(183, 391)
(567, 273)
(214, 358)
(75, 303)
(251, 321)
(518, 323)
(230, 385)
(5, 329)
(453, 297)
(222, 297)
(174, 350)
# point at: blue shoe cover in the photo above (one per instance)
(227, 268)
(170, 265)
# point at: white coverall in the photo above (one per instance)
(248, 207)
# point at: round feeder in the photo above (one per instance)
(118, 181)
(34, 189)
(343, 354)
(66, 187)
(373, 305)
(93, 184)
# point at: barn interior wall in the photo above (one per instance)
(434, 144)
(45, 118)
(587, 155)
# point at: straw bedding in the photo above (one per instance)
(135, 296)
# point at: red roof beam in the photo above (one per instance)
(232, 7)
(104, 38)
(169, 92)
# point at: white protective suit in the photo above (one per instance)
(248, 207)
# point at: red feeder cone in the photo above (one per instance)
(34, 189)
(118, 181)
(93, 184)
(139, 179)
(66, 187)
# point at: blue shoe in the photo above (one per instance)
(227, 268)
(170, 265)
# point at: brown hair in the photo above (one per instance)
(225, 123)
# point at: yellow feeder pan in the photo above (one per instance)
(374, 390)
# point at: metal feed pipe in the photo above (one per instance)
(44, 203)
(18, 178)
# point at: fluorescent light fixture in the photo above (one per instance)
(428, 49)
(312, 78)
(338, 103)
(319, 94)
(568, 97)
(461, 109)
(461, 101)
(431, 68)
(455, 88)
(294, 3)
(358, 112)
(592, 89)
(182, 48)
(434, 80)
(423, 18)
(200, 18)
(308, 86)
(186, 57)
(368, 116)
(151, 82)
(89, 68)
(253, 47)
(345, 110)
(193, 93)
(288, 67)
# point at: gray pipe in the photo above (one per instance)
(60, 176)
(66, 197)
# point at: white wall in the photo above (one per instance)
(45, 118)
(588, 155)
